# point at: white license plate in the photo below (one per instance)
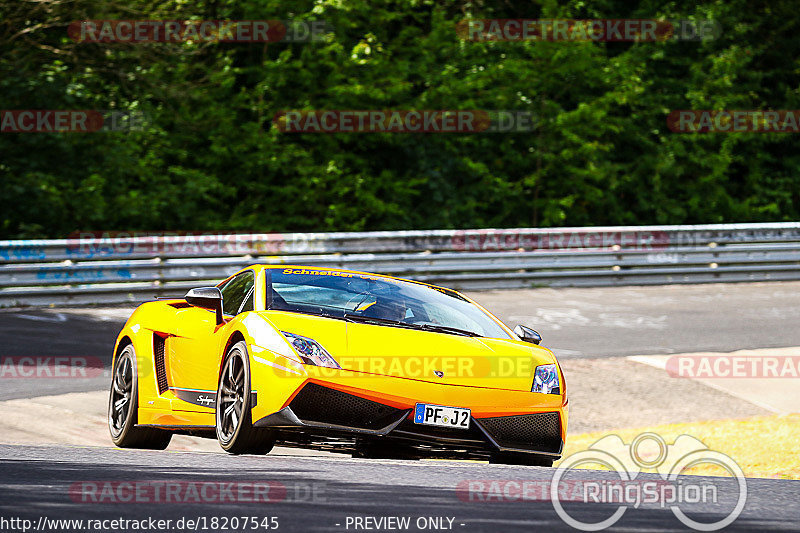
(440, 415)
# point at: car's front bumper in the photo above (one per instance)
(332, 415)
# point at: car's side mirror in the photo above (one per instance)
(207, 298)
(527, 334)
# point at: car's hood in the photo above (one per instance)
(420, 355)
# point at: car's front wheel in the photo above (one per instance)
(235, 431)
(123, 407)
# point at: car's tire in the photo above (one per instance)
(234, 424)
(522, 459)
(123, 407)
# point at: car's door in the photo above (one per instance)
(195, 352)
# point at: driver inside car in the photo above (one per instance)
(384, 309)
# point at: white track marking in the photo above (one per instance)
(58, 317)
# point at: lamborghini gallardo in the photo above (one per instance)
(336, 360)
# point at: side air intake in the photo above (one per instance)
(158, 357)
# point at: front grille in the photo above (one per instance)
(158, 358)
(315, 403)
(540, 432)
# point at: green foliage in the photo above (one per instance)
(209, 157)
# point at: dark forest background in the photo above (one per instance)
(209, 158)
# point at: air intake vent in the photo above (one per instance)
(540, 432)
(316, 403)
(161, 369)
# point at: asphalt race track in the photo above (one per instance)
(583, 323)
(321, 492)
(38, 333)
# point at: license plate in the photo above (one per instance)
(440, 415)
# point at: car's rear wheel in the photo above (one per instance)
(524, 459)
(235, 431)
(123, 407)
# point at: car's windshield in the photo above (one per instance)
(376, 299)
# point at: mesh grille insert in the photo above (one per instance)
(541, 431)
(161, 370)
(316, 403)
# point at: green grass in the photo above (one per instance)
(763, 446)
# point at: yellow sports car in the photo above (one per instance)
(337, 360)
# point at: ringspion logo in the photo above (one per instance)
(672, 489)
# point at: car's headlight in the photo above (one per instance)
(310, 351)
(545, 380)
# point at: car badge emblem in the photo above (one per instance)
(204, 400)
(439, 373)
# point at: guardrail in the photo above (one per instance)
(115, 268)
